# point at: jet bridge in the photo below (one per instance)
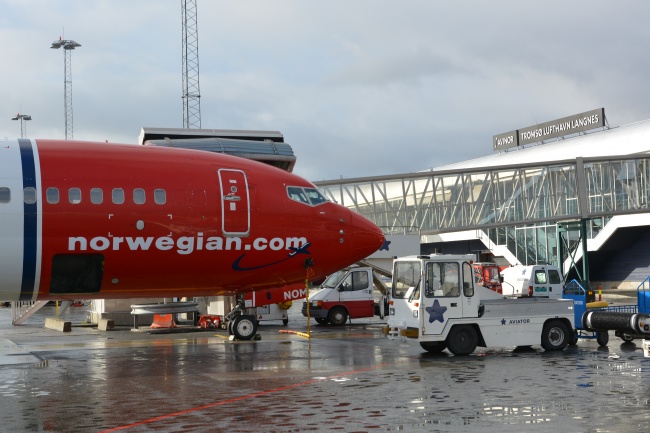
(482, 195)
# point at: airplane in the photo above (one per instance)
(86, 220)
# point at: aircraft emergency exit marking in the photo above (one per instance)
(436, 312)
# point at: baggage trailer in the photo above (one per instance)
(434, 298)
(619, 313)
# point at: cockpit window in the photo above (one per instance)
(310, 196)
(315, 197)
(297, 194)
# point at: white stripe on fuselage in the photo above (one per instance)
(12, 221)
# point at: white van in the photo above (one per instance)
(534, 280)
(346, 294)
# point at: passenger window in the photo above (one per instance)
(74, 195)
(29, 195)
(159, 196)
(297, 194)
(52, 195)
(5, 195)
(118, 196)
(138, 196)
(96, 196)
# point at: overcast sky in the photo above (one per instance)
(357, 87)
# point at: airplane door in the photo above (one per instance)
(441, 299)
(235, 203)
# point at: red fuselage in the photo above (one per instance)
(83, 220)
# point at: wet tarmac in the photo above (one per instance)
(347, 379)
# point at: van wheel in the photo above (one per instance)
(602, 337)
(462, 340)
(338, 316)
(433, 346)
(244, 327)
(555, 335)
(321, 321)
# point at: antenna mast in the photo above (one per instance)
(190, 44)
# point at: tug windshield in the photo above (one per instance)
(406, 276)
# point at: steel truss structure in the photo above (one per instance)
(482, 198)
(190, 44)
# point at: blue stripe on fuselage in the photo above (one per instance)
(30, 222)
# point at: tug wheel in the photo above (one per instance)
(555, 335)
(433, 346)
(462, 340)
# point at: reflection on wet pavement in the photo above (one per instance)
(349, 379)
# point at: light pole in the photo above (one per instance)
(67, 46)
(23, 123)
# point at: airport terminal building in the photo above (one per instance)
(544, 191)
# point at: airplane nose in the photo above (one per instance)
(367, 237)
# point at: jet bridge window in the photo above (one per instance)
(442, 279)
(406, 278)
(5, 194)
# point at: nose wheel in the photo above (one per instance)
(243, 327)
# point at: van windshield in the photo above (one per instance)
(333, 280)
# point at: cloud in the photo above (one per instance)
(360, 88)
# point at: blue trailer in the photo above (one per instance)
(575, 291)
